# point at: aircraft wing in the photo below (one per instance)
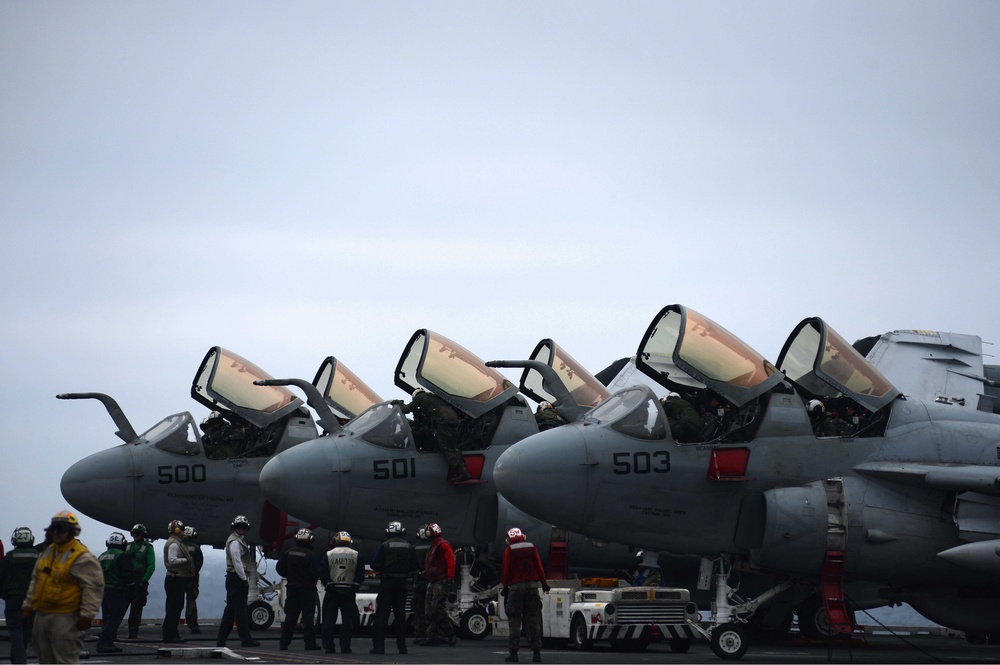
(951, 477)
(932, 365)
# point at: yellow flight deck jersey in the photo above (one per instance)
(60, 578)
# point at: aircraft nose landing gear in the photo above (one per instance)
(729, 641)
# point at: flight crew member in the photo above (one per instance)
(521, 576)
(15, 576)
(144, 560)
(420, 586)
(239, 562)
(439, 416)
(440, 570)
(298, 567)
(66, 589)
(547, 417)
(221, 438)
(685, 423)
(191, 598)
(119, 573)
(823, 422)
(646, 575)
(395, 561)
(341, 573)
(180, 574)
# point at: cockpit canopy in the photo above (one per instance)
(683, 348)
(226, 379)
(453, 373)
(583, 387)
(821, 362)
(633, 411)
(341, 388)
(382, 425)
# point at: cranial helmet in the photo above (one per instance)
(212, 419)
(240, 521)
(395, 530)
(139, 529)
(514, 535)
(433, 530)
(422, 532)
(175, 528)
(303, 536)
(66, 517)
(190, 532)
(22, 536)
(116, 539)
(342, 537)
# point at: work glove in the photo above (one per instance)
(84, 624)
(396, 402)
(545, 587)
(503, 592)
(27, 612)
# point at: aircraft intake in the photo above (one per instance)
(795, 532)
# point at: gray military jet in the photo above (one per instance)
(174, 470)
(378, 467)
(817, 474)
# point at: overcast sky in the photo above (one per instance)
(298, 180)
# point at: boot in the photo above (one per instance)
(536, 656)
(512, 658)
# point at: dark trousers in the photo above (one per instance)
(113, 607)
(237, 591)
(391, 598)
(417, 605)
(342, 601)
(524, 607)
(18, 628)
(439, 625)
(299, 600)
(191, 604)
(136, 596)
(176, 588)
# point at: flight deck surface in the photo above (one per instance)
(861, 649)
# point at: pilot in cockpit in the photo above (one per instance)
(221, 439)
(685, 423)
(547, 417)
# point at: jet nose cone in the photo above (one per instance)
(102, 486)
(546, 476)
(305, 481)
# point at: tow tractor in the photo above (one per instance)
(580, 612)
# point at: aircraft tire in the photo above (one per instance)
(261, 615)
(813, 622)
(474, 624)
(578, 634)
(730, 641)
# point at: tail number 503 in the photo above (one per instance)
(642, 461)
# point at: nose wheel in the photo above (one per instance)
(729, 641)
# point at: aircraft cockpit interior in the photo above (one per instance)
(846, 396)
(477, 393)
(723, 380)
(247, 419)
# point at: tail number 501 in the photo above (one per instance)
(642, 461)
